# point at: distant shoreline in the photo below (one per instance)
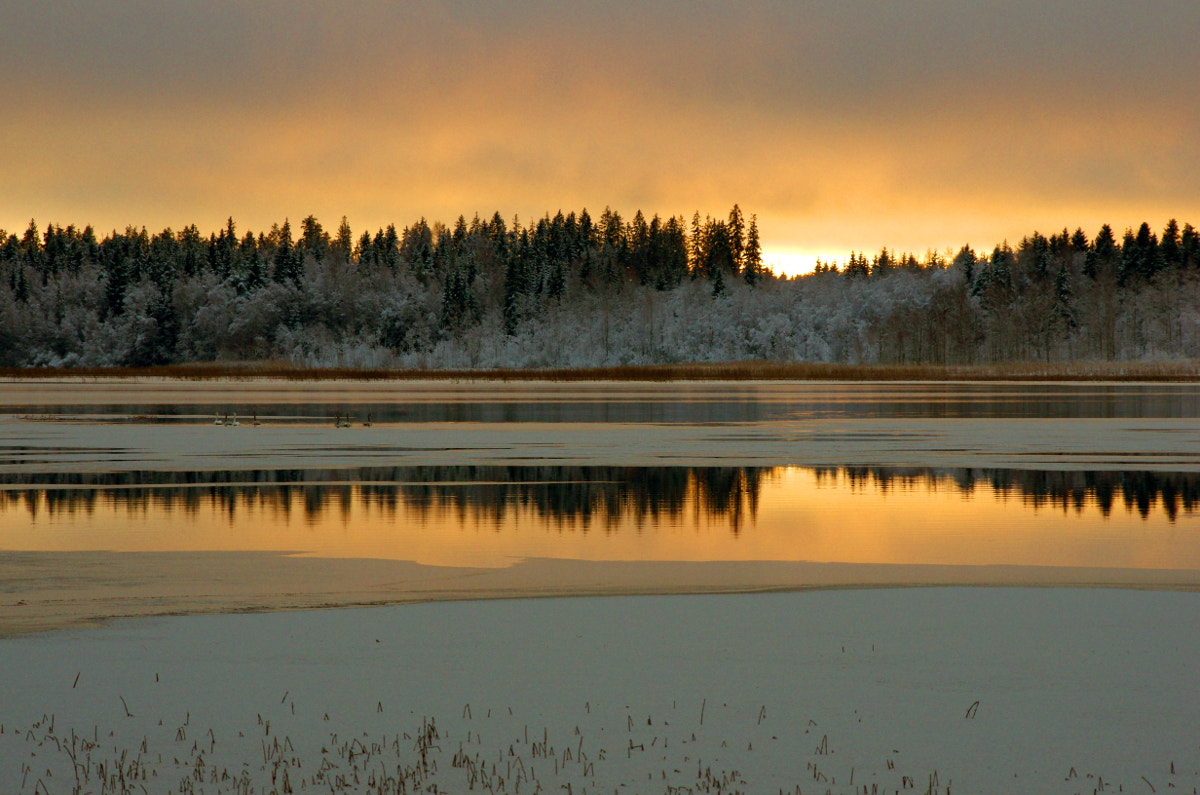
(1185, 371)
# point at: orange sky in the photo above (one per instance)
(843, 125)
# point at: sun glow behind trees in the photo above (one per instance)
(576, 291)
(788, 262)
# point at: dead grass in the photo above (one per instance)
(1177, 371)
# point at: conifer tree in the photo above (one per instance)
(1170, 250)
(284, 261)
(252, 260)
(31, 246)
(191, 246)
(1064, 299)
(1103, 256)
(1189, 246)
(883, 263)
(752, 256)
(314, 242)
(343, 244)
(736, 227)
(964, 260)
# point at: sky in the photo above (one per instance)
(841, 124)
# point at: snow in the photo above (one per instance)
(967, 690)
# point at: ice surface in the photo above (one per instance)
(970, 690)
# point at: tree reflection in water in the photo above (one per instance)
(567, 498)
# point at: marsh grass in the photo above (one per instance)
(1176, 370)
(383, 756)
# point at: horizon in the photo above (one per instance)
(786, 262)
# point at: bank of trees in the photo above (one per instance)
(573, 290)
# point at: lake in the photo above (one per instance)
(941, 482)
(122, 499)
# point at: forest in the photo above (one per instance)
(573, 291)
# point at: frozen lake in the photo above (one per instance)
(122, 499)
(487, 489)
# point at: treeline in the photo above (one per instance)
(570, 290)
(1050, 298)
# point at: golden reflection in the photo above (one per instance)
(489, 516)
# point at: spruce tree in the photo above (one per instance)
(284, 261)
(736, 227)
(1170, 250)
(343, 245)
(1103, 256)
(1189, 245)
(752, 255)
(314, 242)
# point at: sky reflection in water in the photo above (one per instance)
(489, 516)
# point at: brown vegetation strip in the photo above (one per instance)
(724, 371)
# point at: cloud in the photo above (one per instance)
(852, 124)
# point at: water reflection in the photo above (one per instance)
(569, 498)
(1142, 492)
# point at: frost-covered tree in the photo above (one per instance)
(563, 290)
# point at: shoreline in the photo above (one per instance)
(1168, 371)
(49, 592)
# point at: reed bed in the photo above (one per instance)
(743, 749)
(486, 750)
(1153, 371)
(916, 692)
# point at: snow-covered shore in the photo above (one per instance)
(949, 689)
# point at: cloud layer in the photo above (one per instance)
(848, 124)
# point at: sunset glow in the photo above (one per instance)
(799, 515)
(843, 126)
(796, 262)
